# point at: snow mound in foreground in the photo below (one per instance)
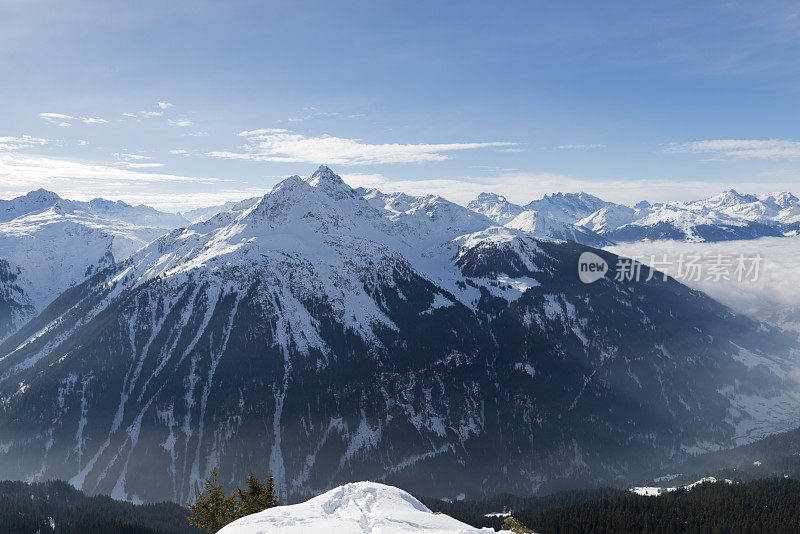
(357, 508)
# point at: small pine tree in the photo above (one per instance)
(212, 510)
(257, 497)
(272, 494)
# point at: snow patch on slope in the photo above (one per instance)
(357, 508)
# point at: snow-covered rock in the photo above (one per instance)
(429, 218)
(724, 217)
(567, 208)
(727, 216)
(654, 491)
(204, 214)
(52, 244)
(501, 211)
(356, 508)
(496, 207)
(543, 227)
(609, 218)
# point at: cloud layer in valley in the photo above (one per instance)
(776, 288)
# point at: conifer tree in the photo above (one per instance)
(253, 499)
(272, 492)
(257, 496)
(212, 510)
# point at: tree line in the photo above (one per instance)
(765, 506)
(34, 507)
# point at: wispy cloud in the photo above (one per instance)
(129, 157)
(578, 147)
(183, 123)
(741, 148)
(165, 105)
(128, 179)
(312, 112)
(132, 165)
(60, 119)
(135, 161)
(311, 116)
(27, 170)
(23, 141)
(144, 115)
(195, 134)
(179, 152)
(277, 145)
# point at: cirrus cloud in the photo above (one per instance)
(60, 119)
(23, 141)
(279, 145)
(741, 148)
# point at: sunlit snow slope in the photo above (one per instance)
(356, 508)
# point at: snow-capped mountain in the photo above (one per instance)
(567, 208)
(364, 507)
(339, 337)
(500, 210)
(49, 244)
(723, 217)
(609, 218)
(431, 219)
(203, 214)
(535, 224)
(691, 222)
(496, 207)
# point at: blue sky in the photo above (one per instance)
(628, 100)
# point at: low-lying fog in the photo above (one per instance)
(774, 295)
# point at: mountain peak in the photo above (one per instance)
(42, 195)
(322, 175)
(782, 199)
(486, 197)
(731, 197)
(330, 182)
(495, 206)
(102, 203)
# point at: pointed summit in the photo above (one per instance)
(323, 175)
(495, 206)
(330, 182)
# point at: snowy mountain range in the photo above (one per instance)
(49, 244)
(548, 218)
(723, 217)
(339, 334)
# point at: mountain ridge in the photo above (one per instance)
(334, 339)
